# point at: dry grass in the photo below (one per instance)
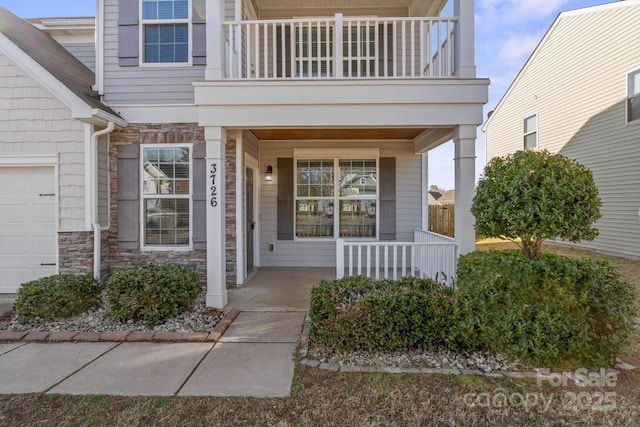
(321, 398)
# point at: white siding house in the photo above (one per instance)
(246, 133)
(578, 95)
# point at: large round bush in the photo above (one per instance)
(151, 293)
(56, 297)
(553, 312)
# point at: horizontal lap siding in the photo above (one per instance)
(85, 52)
(143, 85)
(321, 253)
(32, 122)
(578, 85)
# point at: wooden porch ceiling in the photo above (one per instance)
(283, 8)
(337, 134)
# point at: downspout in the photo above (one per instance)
(95, 219)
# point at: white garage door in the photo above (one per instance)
(27, 226)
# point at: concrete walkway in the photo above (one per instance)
(255, 356)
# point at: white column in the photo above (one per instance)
(425, 191)
(216, 224)
(215, 40)
(464, 40)
(464, 139)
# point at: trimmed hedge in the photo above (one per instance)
(151, 293)
(358, 313)
(554, 312)
(57, 297)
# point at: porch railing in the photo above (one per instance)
(430, 255)
(339, 47)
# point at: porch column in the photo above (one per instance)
(464, 41)
(215, 40)
(216, 241)
(425, 191)
(464, 139)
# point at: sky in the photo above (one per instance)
(507, 32)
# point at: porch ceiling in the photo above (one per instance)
(337, 134)
(272, 8)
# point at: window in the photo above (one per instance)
(166, 195)
(633, 101)
(531, 132)
(165, 26)
(336, 198)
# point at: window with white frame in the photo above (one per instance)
(166, 195)
(531, 132)
(336, 198)
(633, 99)
(165, 31)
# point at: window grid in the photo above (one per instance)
(531, 132)
(166, 196)
(165, 31)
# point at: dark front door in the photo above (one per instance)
(250, 218)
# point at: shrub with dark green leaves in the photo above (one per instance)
(553, 312)
(358, 313)
(57, 297)
(151, 293)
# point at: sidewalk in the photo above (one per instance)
(254, 357)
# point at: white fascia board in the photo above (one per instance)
(154, 113)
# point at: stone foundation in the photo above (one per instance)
(75, 252)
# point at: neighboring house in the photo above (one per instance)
(448, 197)
(246, 136)
(579, 95)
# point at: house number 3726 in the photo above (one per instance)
(214, 189)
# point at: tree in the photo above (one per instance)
(536, 195)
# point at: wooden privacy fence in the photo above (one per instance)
(441, 219)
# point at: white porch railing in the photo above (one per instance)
(323, 48)
(430, 255)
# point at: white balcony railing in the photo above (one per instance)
(324, 48)
(430, 255)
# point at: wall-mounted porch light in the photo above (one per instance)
(269, 175)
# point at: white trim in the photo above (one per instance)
(628, 97)
(240, 210)
(254, 164)
(24, 161)
(181, 21)
(536, 131)
(324, 153)
(150, 113)
(425, 190)
(189, 197)
(99, 23)
(88, 181)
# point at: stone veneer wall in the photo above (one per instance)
(75, 252)
(163, 134)
(230, 201)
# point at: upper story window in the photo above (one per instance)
(165, 31)
(531, 132)
(336, 198)
(166, 195)
(633, 99)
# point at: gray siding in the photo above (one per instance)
(103, 181)
(581, 113)
(322, 253)
(85, 52)
(34, 123)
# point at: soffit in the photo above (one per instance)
(337, 134)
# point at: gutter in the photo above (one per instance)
(97, 229)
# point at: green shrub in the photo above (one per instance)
(55, 297)
(151, 293)
(554, 312)
(359, 313)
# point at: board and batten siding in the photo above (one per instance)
(148, 84)
(577, 84)
(319, 252)
(34, 123)
(85, 52)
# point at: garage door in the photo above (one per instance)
(27, 226)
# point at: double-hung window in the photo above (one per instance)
(633, 99)
(165, 31)
(336, 198)
(531, 132)
(166, 195)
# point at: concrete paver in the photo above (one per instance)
(34, 368)
(265, 327)
(137, 369)
(5, 348)
(244, 369)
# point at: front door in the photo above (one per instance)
(250, 218)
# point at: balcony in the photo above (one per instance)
(339, 48)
